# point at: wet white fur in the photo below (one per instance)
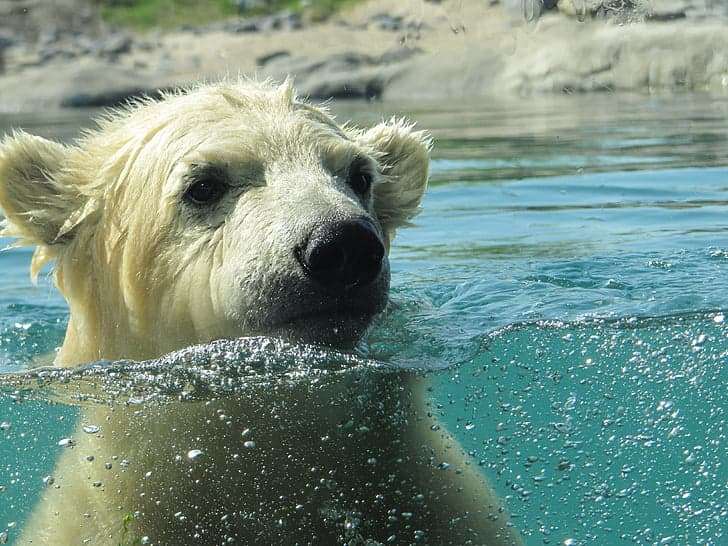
(143, 278)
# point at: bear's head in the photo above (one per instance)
(226, 210)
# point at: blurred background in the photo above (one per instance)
(72, 53)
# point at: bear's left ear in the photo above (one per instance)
(35, 205)
(404, 157)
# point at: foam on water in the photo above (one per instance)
(219, 368)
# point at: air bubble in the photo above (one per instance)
(194, 454)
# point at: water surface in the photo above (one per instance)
(566, 283)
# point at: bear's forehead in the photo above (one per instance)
(292, 140)
(162, 140)
(257, 104)
(260, 108)
(252, 125)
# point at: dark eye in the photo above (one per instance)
(360, 177)
(206, 191)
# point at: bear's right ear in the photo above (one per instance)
(35, 205)
(404, 158)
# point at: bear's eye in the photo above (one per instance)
(360, 176)
(206, 191)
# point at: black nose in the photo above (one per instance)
(343, 254)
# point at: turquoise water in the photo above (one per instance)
(566, 283)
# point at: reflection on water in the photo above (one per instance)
(564, 288)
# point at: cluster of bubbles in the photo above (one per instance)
(602, 431)
(223, 367)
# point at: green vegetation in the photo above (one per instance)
(148, 14)
(166, 14)
(318, 10)
(126, 539)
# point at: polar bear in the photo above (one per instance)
(227, 210)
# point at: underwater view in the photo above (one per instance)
(563, 295)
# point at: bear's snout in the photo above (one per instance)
(343, 254)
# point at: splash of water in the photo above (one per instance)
(222, 367)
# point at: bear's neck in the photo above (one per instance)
(84, 343)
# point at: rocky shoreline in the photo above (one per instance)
(416, 50)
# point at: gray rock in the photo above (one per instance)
(51, 52)
(241, 26)
(107, 97)
(7, 39)
(622, 10)
(43, 22)
(526, 10)
(49, 37)
(246, 5)
(84, 82)
(398, 55)
(85, 45)
(192, 29)
(384, 21)
(666, 10)
(284, 20)
(394, 23)
(625, 11)
(114, 45)
(346, 75)
(144, 45)
(265, 59)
